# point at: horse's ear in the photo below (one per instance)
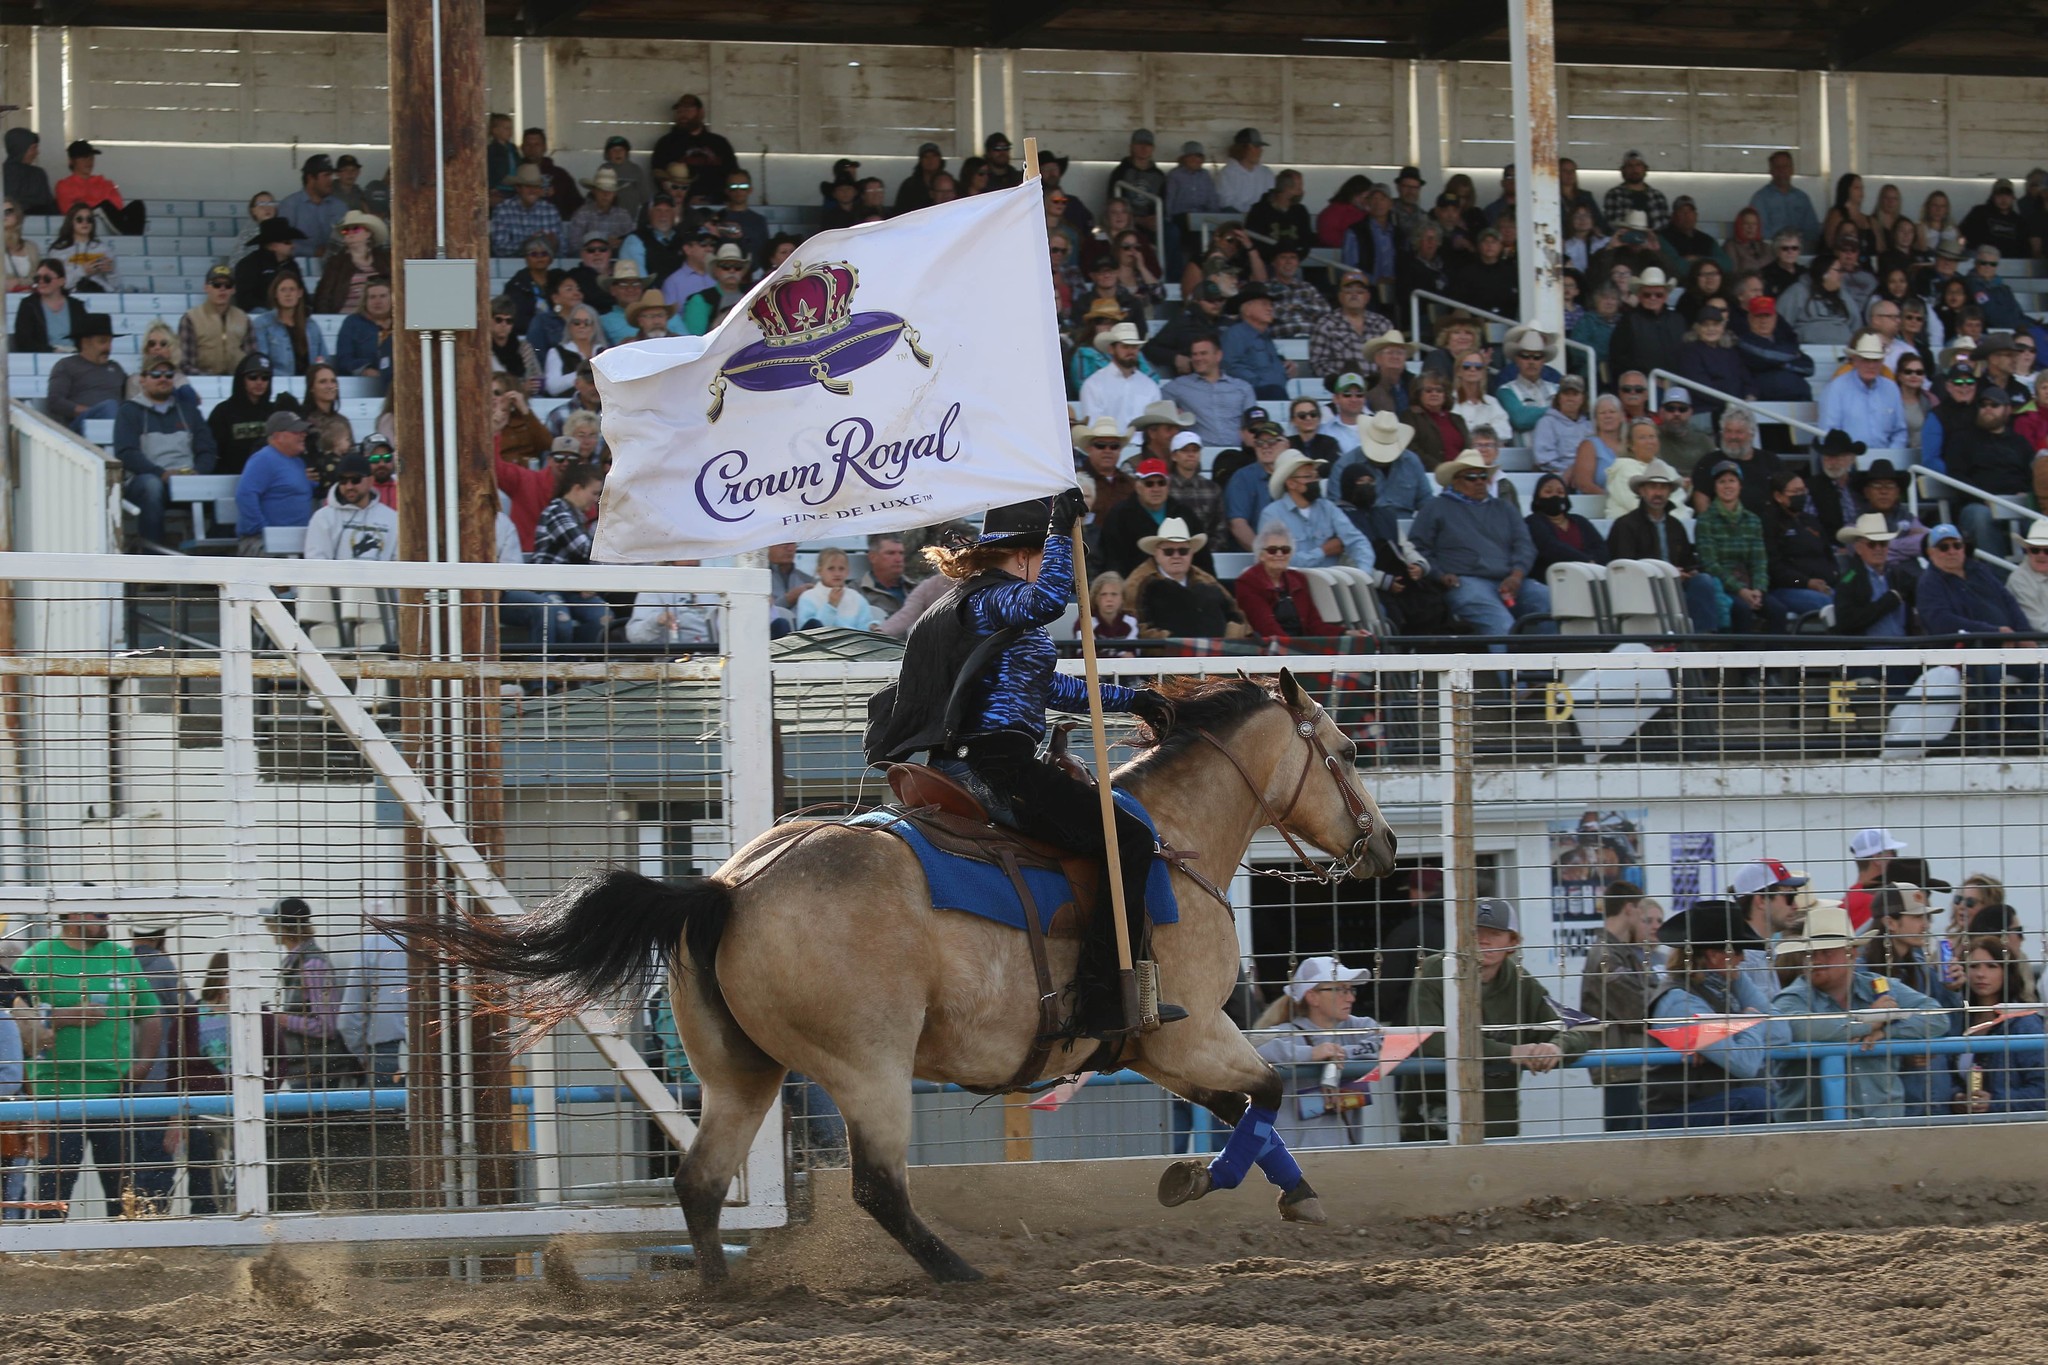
(1290, 690)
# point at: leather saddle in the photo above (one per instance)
(955, 822)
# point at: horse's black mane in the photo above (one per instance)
(1217, 705)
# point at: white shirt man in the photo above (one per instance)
(674, 618)
(1120, 389)
(353, 523)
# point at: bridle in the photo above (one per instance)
(1318, 755)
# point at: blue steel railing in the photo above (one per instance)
(1833, 1076)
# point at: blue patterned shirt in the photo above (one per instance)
(1021, 684)
(513, 222)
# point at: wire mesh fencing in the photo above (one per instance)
(1600, 796)
(222, 783)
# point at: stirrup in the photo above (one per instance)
(1152, 1011)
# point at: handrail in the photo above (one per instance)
(1415, 298)
(1315, 257)
(1913, 493)
(1748, 405)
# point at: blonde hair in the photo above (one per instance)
(170, 333)
(1108, 579)
(578, 423)
(1284, 1010)
(831, 554)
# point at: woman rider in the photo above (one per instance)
(978, 677)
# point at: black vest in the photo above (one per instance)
(941, 657)
(1669, 1089)
(663, 258)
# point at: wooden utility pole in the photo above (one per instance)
(447, 510)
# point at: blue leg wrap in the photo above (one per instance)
(1248, 1143)
(1279, 1165)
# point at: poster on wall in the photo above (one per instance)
(1692, 871)
(1587, 851)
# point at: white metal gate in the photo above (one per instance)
(216, 749)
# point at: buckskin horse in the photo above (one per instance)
(822, 954)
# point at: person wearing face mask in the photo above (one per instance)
(1561, 535)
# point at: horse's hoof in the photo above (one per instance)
(1300, 1205)
(1183, 1182)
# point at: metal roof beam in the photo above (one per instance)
(1458, 29)
(539, 18)
(1009, 22)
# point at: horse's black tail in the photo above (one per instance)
(608, 930)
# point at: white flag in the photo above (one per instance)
(887, 376)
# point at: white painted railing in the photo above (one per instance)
(67, 501)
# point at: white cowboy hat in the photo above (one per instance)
(1467, 459)
(1101, 429)
(1827, 926)
(1172, 531)
(1283, 470)
(1867, 347)
(1384, 340)
(379, 233)
(1124, 333)
(1164, 413)
(1532, 338)
(605, 179)
(1636, 219)
(528, 174)
(1384, 437)
(2036, 536)
(1871, 526)
(1655, 278)
(622, 269)
(1657, 471)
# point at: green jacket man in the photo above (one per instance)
(1508, 996)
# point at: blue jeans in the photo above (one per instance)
(1621, 1106)
(529, 611)
(1702, 603)
(1786, 602)
(1984, 530)
(1476, 601)
(148, 492)
(1743, 1104)
(587, 613)
(98, 412)
(113, 1148)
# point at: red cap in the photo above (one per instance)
(1763, 303)
(1152, 469)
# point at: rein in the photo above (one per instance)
(1318, 755)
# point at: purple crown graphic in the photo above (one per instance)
(811, 335)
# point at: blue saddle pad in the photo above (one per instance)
(984, 889)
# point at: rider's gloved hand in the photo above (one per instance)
(1067, 510)
(1153, 708)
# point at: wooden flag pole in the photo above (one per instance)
(1127, 978)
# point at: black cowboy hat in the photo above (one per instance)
(1709, 924)
(95, 325)
(1020, 523)
(1839, 442)
(277, 230)
(1881, 470)
(1245, 295)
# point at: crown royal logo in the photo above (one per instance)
(811, 335)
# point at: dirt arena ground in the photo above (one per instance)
(1903, 1276)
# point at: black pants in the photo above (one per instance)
(1046, 803)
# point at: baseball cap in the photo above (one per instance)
(316, 164)
(1183, 439)
(1868, 843)
(1268, 429)
(1193, 149)
(1684, 201)
(1250, 137)
(1765, 874)
(616, 141)
(1960, 374)
(280, 422)
(1143, 136)
(1991, 395)
(81, 148)
(220, 273)
(352, 466)
(1761, 304)
(1151, 469)
(1253, 416)
(1496, 913)
(1348, 381)
(924, 147)
(1944, 532)
(1319, 971)
(1675, 394)
(347, 161)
